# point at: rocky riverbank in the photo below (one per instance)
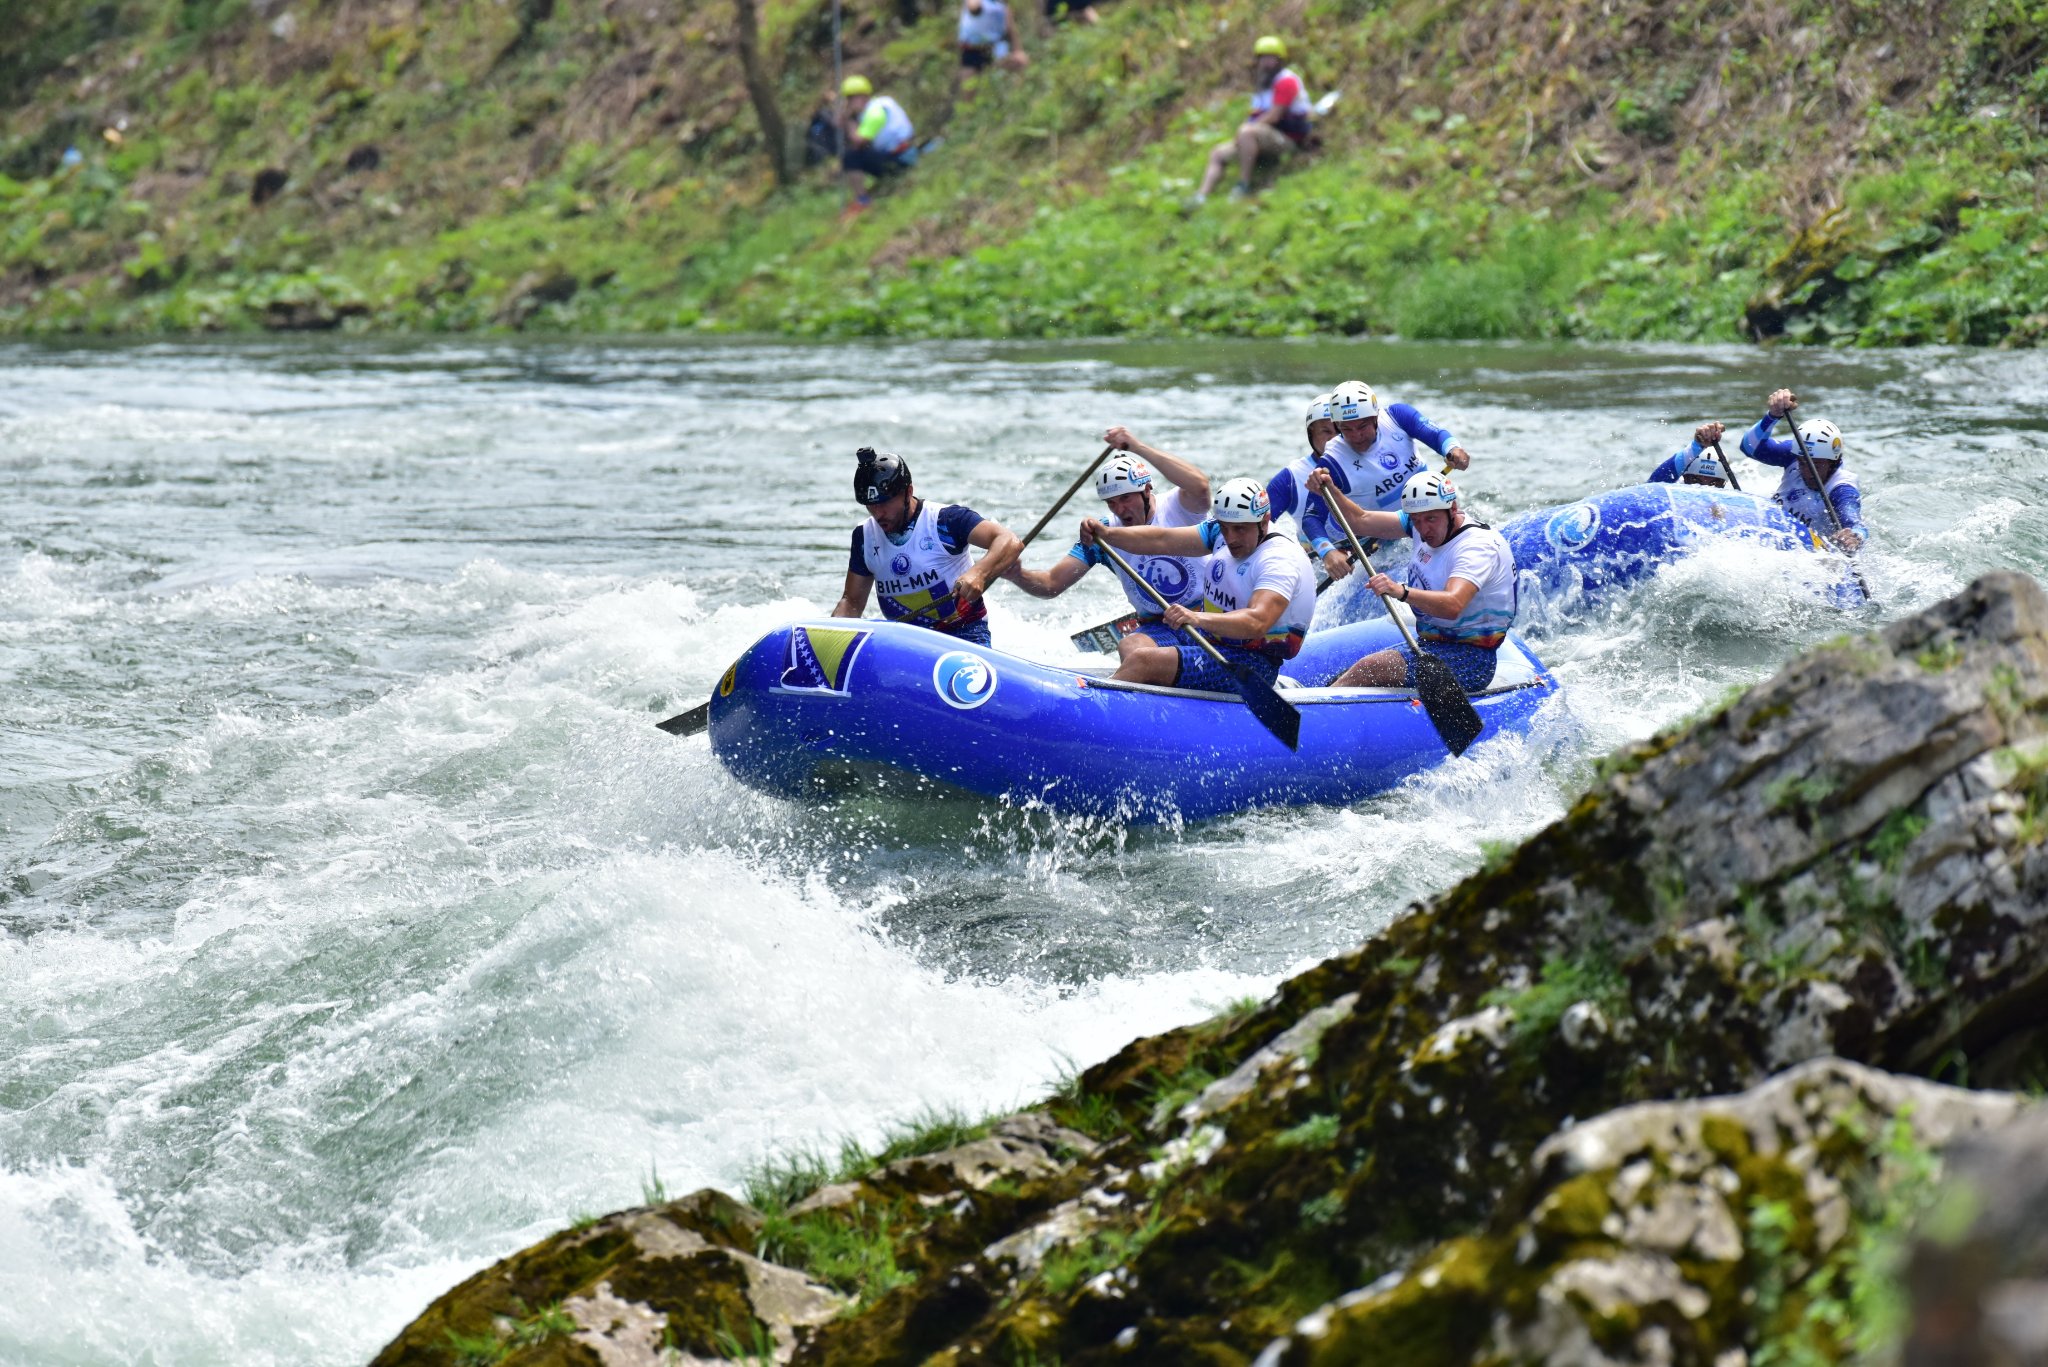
(1671, 1083)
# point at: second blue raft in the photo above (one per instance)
(1618, 539)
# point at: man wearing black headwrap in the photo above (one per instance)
(915, 554)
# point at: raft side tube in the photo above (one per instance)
(884, 694)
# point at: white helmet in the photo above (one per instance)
(1243, 500)
(1428, 492)
(1353, 401)
(1822, 439)
(1705, 465)
(1319, 410)
(1124, 475)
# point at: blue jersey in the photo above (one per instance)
(1678, 464)
(1373, 478)
(1793, 495)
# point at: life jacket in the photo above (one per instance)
(1804, 504)
(917, 572)
(1177, 577)
(987, 28)
(1374, 477)
(1229, 583)
(1482, 555)
(893, 132)
(1294, 118)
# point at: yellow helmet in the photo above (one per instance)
(1270, 46)
(857, 85)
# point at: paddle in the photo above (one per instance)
(697, 718)
(1728, 466)
(1274, 712)
(1452, 714)
(1807, 468)
(1103, 639)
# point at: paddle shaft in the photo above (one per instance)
(1728, 466)
(1358, 549)
(1072, 489)
(1156, 596)
(1442, 696)
(1812, 473)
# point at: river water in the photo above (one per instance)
(358, 927)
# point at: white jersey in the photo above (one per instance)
(1805, 506)
(1277, 563)
(1480, 556)
(987, 28)
(916, 573)
(1173, 575)
(894, 132)
(1376, 475)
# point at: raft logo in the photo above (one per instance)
(1571, 528)
(965, 681)
(900, 565)
(820, 660)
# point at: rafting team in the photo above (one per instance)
(1221, 568)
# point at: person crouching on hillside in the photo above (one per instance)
(878, 139)
(1279, 123)
(988, 37)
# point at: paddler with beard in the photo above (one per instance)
(1126, 484)
(1460, 583)
(915, 554)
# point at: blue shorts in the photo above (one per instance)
(1471, 666)
(1155, 630)
(1197, 670)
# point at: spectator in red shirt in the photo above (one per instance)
(1279, 122)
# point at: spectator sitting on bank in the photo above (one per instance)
(1279, 124)
(878, 139)
(988, 37)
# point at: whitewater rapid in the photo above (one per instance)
(358, 927)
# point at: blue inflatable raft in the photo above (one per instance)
(1617, 539)
(831, 705)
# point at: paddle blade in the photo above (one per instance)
(1443, 698)
(1106, 637)
(688, 723)
(1274, 712)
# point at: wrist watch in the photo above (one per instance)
(1404, 593)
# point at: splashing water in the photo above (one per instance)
(357, 927)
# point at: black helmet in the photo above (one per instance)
(878, 476)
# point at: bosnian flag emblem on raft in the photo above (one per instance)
(820, 660)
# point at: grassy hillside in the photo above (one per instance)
(1864, 172)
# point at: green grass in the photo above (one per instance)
(852, 1250)
(1591, 975)
(521, 190)
(1071, 1265)
(784, 1179)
